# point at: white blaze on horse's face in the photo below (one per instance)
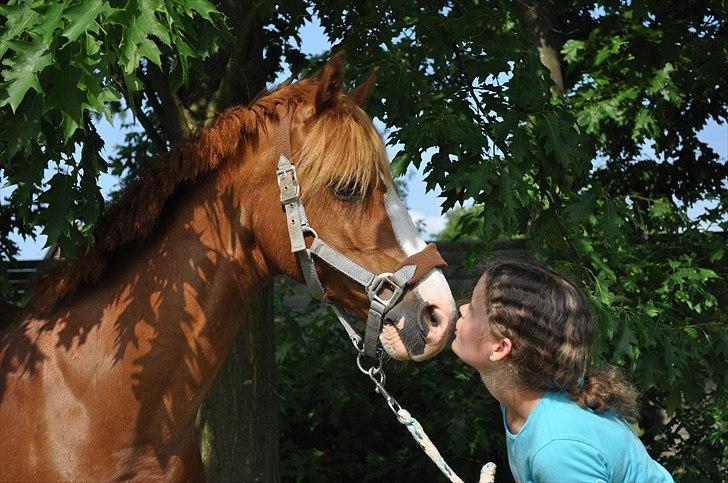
(428, 308)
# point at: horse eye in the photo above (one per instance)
(348, 192)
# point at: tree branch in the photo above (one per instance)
(153, 99)
(147, 124)
(225, 93)
(471, 91)
(541, 17)
(175, 119)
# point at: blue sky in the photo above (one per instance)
(424, 206)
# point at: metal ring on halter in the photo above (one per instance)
(378, 286)
(379, 387)
(307, 229)
(358, 345)
(376, 369)
(374, 373)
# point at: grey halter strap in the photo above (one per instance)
(383, 290)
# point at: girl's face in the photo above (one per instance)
(474, 342)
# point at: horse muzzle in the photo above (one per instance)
(419, 326)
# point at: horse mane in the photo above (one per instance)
(325, 159)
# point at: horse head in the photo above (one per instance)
(330, 216)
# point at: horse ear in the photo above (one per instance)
(330, 82)
(360, 94)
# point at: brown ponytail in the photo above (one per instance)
(552, 331)
(605, 389)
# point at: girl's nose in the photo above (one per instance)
(462, 310)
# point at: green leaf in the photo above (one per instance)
(624, 346)
(22, 75)
(20, 130)
(555, 133)
(520, 145)
(661, 79)
(19, 19)
(582, 207)
(644, 125)
(28, 174)
(66, 96)
(139, 25)
(717, 254)
(30, 57)
(609, 50)
(400, 164)
(572, 50)
(660, 208)
(58, 214)
(612, 221)
(82, 18)
(202, 7)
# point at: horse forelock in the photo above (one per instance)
(342, 148)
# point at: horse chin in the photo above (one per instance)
(396, 348)
(393, 344)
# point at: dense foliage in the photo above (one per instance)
(334, 427)
(594, 161)
(63, 64)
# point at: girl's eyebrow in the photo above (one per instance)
(462, 301)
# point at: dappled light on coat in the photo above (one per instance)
(103, 373)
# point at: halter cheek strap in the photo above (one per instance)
(383, 290)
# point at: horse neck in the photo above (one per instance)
(167, 315)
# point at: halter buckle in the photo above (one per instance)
(288, 184)
(378, 284)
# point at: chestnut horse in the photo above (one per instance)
(101, 378)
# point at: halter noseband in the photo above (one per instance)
(383, 290)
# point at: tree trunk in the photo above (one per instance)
(238, 422)
(544, 18)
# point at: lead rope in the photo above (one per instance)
(288, 184)
(376, 374)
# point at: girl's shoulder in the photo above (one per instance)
(565, 419)
(604, 440)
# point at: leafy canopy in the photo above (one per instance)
(595, 162)
(64, 63)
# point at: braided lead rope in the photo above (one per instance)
(415, 428)
(487, 473)
(376, 374)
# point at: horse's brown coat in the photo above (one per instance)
(103, 376)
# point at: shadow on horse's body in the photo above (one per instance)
(101, 378)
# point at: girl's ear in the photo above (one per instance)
(360, 94)
(501, 350)
(330, 82)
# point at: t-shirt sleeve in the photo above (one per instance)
(565, 460)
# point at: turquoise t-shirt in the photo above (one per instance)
(563, 442)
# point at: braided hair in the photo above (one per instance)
(548, 321)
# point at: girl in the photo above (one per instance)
(529, 333)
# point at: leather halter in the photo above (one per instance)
(383, 290)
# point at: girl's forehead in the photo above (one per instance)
(477, 301)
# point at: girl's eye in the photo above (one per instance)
(348, 193)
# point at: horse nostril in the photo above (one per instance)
(429, 318)
(434, 318)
